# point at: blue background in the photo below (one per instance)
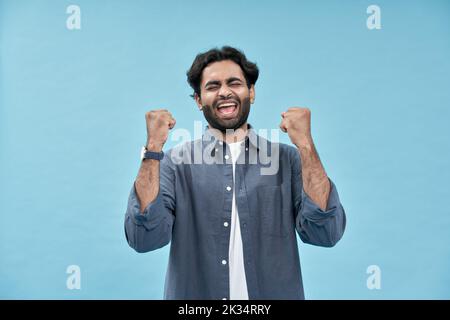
(72, 124)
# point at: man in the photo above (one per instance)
(232, 226)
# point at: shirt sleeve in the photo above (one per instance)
(314, 225)
(152, 229)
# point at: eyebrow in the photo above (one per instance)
(217, 82)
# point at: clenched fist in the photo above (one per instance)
(159, 122)
(297, 123)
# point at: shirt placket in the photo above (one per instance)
(223, 152)
(244, 217)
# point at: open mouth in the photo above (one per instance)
(228, 109)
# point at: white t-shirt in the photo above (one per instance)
(238, 282)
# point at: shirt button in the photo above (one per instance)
(246, 149)
(228, 188)
(217, 150)
(224, 262)
(225, 224)
(227, 156)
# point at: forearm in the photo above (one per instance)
(314, 178)
(147, 182)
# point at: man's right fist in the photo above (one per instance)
(159, 122)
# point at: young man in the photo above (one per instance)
(232, 226)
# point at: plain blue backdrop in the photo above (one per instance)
(72, 106)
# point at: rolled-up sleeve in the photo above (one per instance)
(314, 225)
(152, 229)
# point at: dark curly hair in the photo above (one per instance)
(202, 60)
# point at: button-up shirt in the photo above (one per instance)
(194, 205)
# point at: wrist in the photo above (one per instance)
(154, 146)
(304, 142)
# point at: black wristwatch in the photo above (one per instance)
(145, 154)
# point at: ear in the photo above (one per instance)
(252, 93)
(198, 101)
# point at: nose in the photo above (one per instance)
(225, 92)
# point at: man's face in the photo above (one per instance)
(224, 95)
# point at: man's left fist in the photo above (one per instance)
(297, 123)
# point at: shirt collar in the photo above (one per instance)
(251, 139)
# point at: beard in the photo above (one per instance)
(209, 111)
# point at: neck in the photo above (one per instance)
(232, 135)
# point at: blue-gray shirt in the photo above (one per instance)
(194, 202)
